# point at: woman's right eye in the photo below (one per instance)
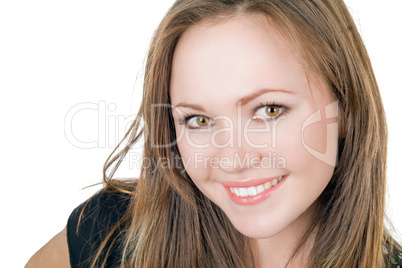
(196, 121)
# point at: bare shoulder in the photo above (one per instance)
(53, 254)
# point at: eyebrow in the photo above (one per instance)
(243, 100)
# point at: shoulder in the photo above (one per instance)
(53, 254)
(87, 226)
(103, 209)
(91, 222)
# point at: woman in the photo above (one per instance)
(265, 141)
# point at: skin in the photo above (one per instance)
(53, 254)
(215, 65)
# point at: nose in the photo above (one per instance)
(235, 150)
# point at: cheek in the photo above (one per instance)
(308, 149)
(309, 172)
(315, 137)
(194, 156)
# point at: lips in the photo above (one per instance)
(250, 192)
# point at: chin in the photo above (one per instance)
(260, 233)
(261, 228)
(274, 222)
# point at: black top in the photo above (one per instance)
(101, 213)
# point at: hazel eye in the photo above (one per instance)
(268, 112)
(199, 121)
(272, 110)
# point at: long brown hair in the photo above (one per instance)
(170, 223)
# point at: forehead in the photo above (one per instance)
(232, 57)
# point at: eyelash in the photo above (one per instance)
(186, 117)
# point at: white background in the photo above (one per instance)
(57, 54)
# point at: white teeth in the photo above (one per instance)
(236, 190)
(251, 191)
(267, 185)
(254, 190)
(243, 192)
(260, 189)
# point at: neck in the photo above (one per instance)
(282, 250)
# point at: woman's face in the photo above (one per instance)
(254, 130)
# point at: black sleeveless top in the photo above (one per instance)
(100, 214)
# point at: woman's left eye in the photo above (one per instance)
(268, 111)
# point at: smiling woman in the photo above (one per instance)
(229, 87)
(216, 65)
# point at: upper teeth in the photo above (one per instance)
(254, 190)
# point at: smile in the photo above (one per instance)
(254, 191)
